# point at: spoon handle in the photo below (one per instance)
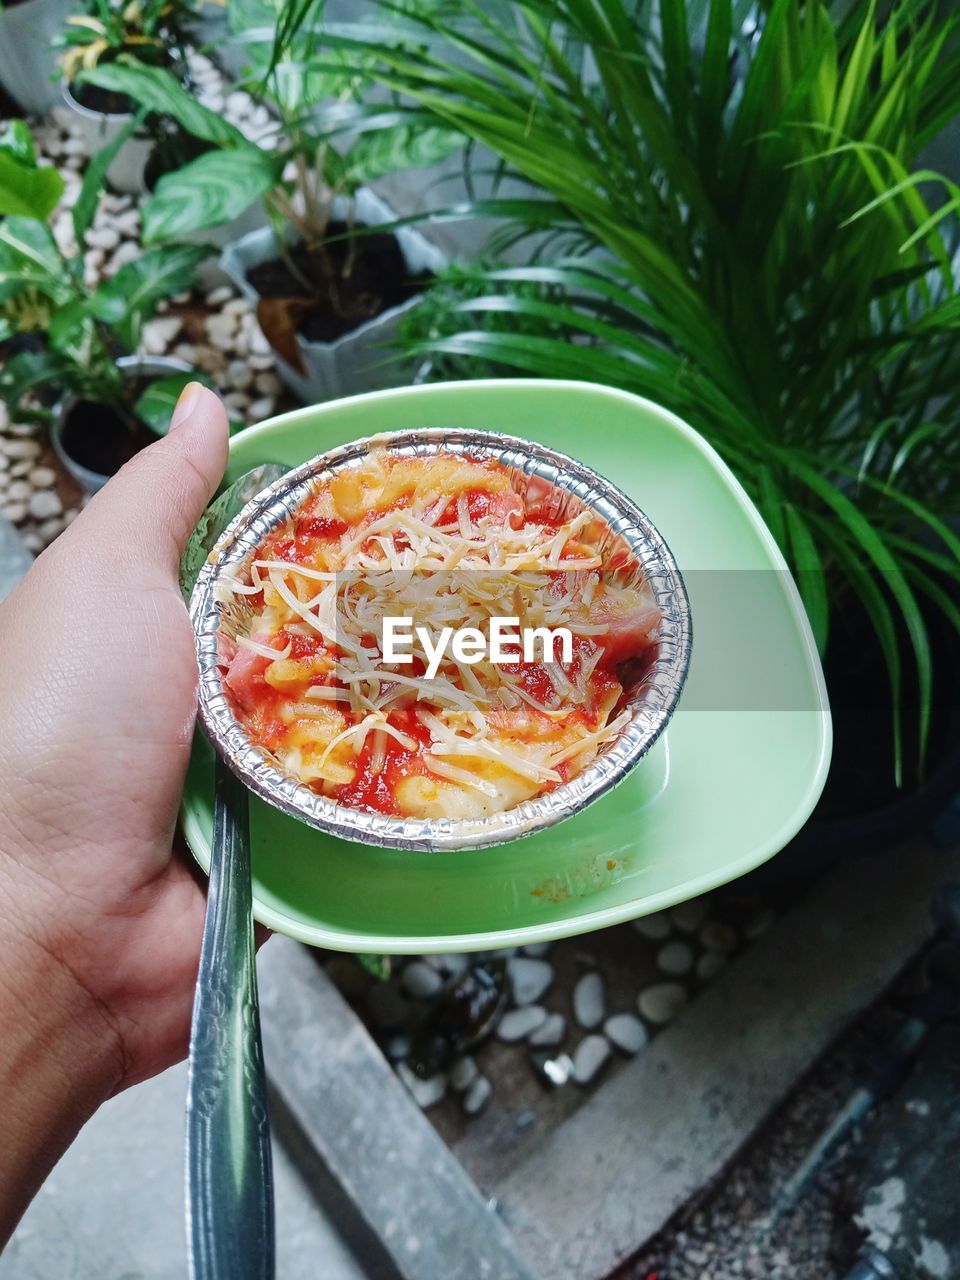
(229, 1171)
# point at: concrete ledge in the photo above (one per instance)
(403, 1182)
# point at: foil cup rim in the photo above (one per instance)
(662, 685)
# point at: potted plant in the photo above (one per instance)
(72, 363)
(27, 61)
(99, 31)
(329, 292)
(165, 105)
(744, 235)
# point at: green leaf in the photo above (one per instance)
(17, 142)
(811, 579)
(400, 147)
(28, 192)
(29, 257)
(129, 298)
(156, 404)
(30, 371)
(378, 967)
(158, 90)
(211, 190)
(85, 209)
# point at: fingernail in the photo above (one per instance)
(186, 403)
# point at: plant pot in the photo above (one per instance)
(358, 361)
(97, 129)
(27, 61)
(132, 367)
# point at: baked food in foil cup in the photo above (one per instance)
(626, 533)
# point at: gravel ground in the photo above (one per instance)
(728, 1233)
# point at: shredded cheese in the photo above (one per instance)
(400, 537)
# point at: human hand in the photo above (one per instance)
(100, 924)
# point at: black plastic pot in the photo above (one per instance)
(133, 368)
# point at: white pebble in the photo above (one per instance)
(44, 504)
(420, 981)
(42, 477)
(128, 224)
(218, 296)
(15, 511)
(106, 238)
(426, 1093)
(655, 927)
(51, 529)
(715, 936)
(689, 916)
(549, 1033)
(662, 1002)
(518, 1023)
(159, 333)
(220, 330)
(590, 1055)
(70, 515)
(477, 1096)
(210, 360)
(19, 470)
(589, 1000)
(262, 361)
(239, 375)
(261, 409)
(237, 400)
(240, 308)
(74, 147)
(268, 384)
(626, 1033)
(675, 958)
(397, 1047)
(33, 541)
(127, 252)
(449, 962)
(710, 964)
(463, 1073)
(259, 346)
(19, 491)
(186, 351)
(529, 979)
(20, 448)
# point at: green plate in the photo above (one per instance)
(733, 779)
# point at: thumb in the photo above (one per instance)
(153, 503)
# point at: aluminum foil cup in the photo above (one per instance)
(650, 700)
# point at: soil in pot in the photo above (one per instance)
(100, 438)
(172, 152)
(104, 101)
(332, 297)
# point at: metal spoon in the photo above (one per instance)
(228, 1163)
